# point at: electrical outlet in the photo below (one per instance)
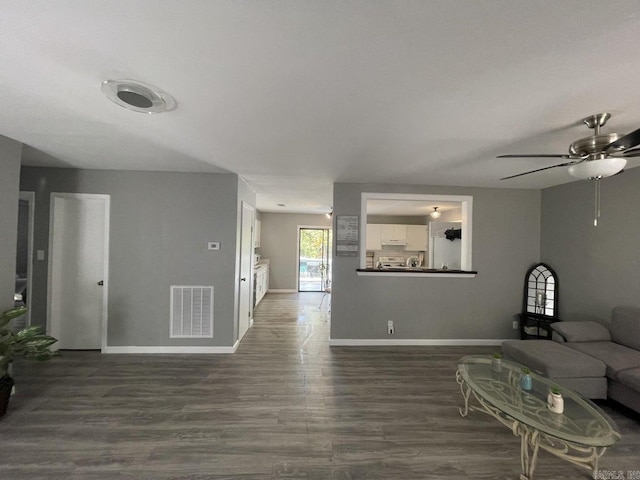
(390, 328)
(515, 324)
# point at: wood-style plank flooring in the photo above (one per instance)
(284, 406)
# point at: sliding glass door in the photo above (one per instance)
(314, 259)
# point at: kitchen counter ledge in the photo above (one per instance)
(415, 272)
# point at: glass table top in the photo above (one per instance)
(582, 421)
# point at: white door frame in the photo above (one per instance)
(300, 227)
(105, 290)
(250, 279)
(31, 198)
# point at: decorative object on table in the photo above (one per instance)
(555, 400)
(540, 302)
(30, 342)
(496, 362)
(525, 379)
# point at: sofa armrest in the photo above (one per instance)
(582, 331)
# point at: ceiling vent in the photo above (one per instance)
(138, 96)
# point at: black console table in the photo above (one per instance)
(536, 327)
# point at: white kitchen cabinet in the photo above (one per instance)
(417, 238)
(393, 234)
(257, 229)
(261, 282)
(373, 236)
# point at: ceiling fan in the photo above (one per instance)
(595, 157)
(592, 158)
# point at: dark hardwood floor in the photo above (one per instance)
(284, 406)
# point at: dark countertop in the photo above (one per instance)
(415, 270)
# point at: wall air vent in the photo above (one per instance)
(191, 311)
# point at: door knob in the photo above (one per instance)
(244, 279)
(101, 282)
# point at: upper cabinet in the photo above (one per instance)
(258, 227)
(411, 237)
(373, 237)
(417, 237)
(393, 234)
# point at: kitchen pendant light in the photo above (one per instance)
(435, 213)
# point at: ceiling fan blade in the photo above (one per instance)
(534, 155)
(634, 152)
(566, 164)
(625, 143)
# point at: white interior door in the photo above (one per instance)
(78, 260)
(246, 264)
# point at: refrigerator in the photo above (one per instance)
(444, 253)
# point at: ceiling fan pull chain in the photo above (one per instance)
(596, 214)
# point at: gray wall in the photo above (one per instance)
(278, 243)
(10, 152)
(598, 267)
(160, 226)
(506, 235)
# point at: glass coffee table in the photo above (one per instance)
(581, 434)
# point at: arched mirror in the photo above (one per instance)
(541, 292)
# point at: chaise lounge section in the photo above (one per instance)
(595, 360)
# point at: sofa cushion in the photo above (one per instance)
(553, 359)
(625, 326)
(582, 331)
(630, 378)
(616, 357)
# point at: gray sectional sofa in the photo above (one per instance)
(596, 360)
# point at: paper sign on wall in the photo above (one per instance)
(347, 235)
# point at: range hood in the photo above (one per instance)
(393, 242)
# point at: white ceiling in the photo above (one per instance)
(296, 95)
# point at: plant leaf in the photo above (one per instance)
(10, 314)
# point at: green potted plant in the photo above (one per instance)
(30, 342)
(525, 379)
(496, 362)
(555, 400)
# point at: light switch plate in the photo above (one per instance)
(213, 245)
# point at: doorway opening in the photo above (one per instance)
(314, 258)
(24, 255)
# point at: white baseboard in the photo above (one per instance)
(281, 290)
(414, 342)
(166, 349)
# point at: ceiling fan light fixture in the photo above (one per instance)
(137, 96)
(596, 169)
(435, 213)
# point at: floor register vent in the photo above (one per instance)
(191, 311)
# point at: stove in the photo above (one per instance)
(391, 262)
